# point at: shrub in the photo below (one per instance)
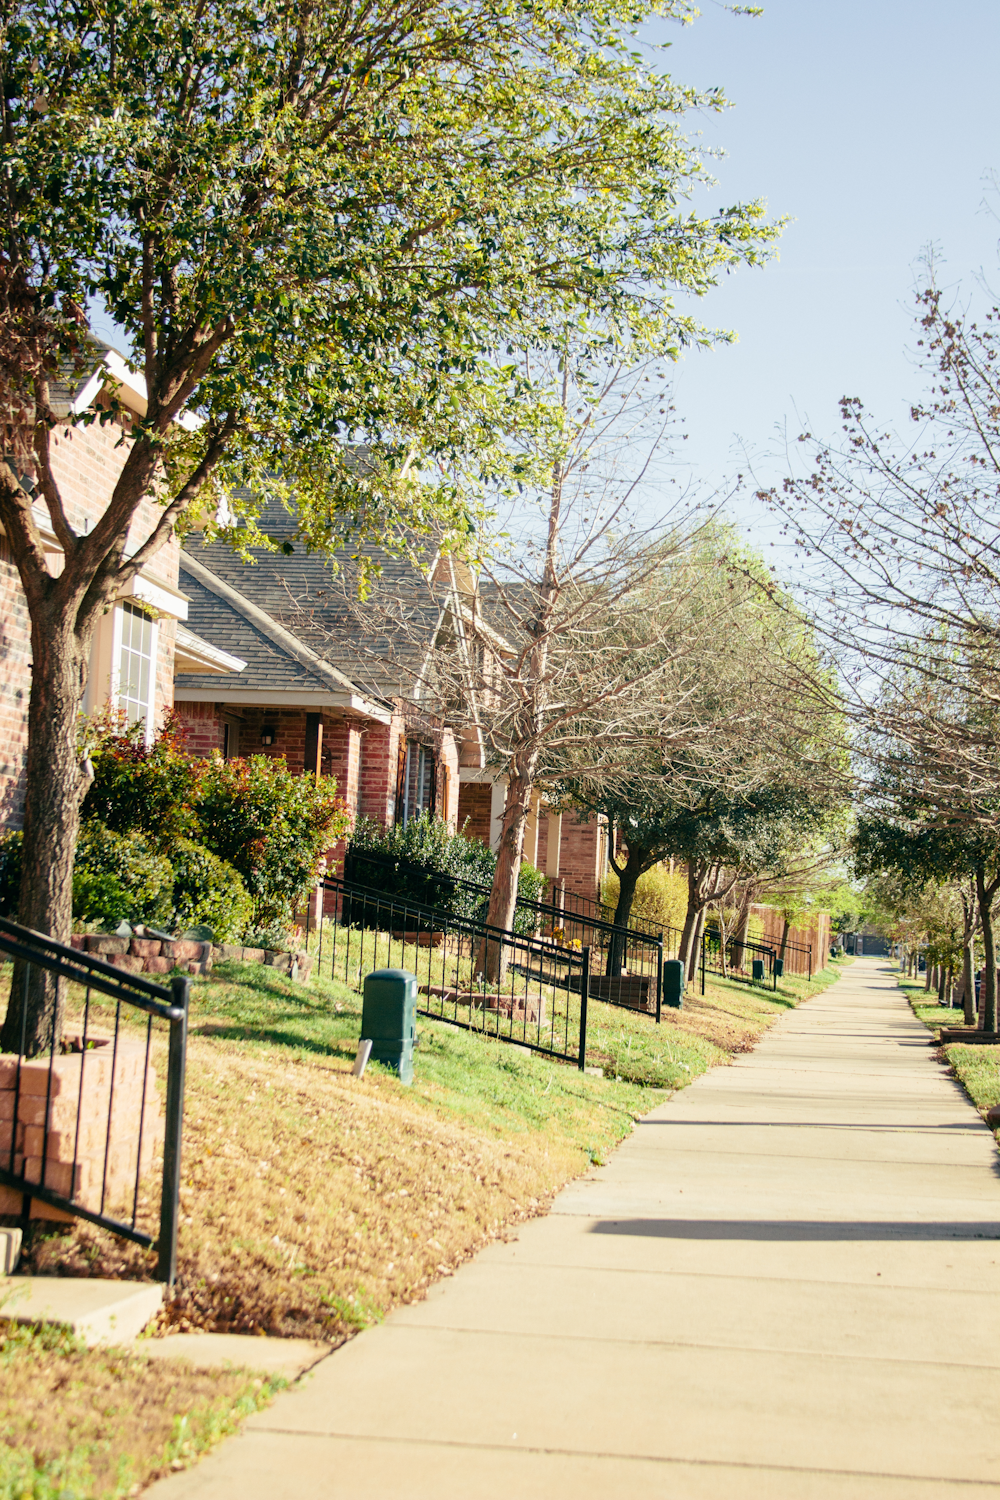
(273, 827)
(208, 891)
(659, 896)
(120, 877)
(139, 788)
(425, 854)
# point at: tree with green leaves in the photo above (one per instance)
(313, 225)
(753, 786)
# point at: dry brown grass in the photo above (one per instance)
(99, 1422)
(313, 1201)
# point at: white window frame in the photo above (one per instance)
(149, 716)
(104, 678)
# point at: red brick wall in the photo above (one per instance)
(86, 462)
(379, 768)
(15, 685)
(202, 723)
(474, 805)
(581, 852)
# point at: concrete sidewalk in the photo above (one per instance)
(784, 1286)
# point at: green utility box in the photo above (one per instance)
(673, 982)
(758, 970)
(389, 1019)
(779, 967)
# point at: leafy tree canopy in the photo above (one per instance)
(316, 223)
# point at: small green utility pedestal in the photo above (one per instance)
(757, 969)
(673, 982)
(389, 1019)
(779, 968)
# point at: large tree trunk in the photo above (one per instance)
(699, 933)
(968, 961)
(784, 938)
(741, 929)
(55, 788)
(636, 865)
(493, 956)
(696, 875)
(985, 894)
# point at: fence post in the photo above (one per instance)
(810, 961)
(704, 941)
(584, 997)
(166, 1264)
(659, 980)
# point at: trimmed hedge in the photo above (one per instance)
(272, 826)
(120, 877)
(422, 861)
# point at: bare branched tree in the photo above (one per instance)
(573, 632)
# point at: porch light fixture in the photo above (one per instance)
(267, 735)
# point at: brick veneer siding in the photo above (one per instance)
(15, 685)
(474, 799)
(86, 462)
(379, 771)
(581, 855)
(202, 726)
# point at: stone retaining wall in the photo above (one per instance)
(148, 955)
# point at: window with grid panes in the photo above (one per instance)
(136, 664)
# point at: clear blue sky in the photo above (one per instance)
(872, 124)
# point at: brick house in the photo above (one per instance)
(135, 645)
(311, 689)
(267, 659)
(318, 689)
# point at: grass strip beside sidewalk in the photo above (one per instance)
(80, 1423)
(976, 1068)
(313, 1202)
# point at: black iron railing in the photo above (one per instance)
(81, 1127)
(513, 987)
(740, 952)
(635, 953)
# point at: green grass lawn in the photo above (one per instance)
(313, 1201)
(976, 1068)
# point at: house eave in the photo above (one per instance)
(351, 703)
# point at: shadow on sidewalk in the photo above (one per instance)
(794, 1229)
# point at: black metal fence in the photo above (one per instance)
(745, 959)
(626, 962)
(514, 987)
(81, 1128)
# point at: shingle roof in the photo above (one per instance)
(381, 652)
(218, 621)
